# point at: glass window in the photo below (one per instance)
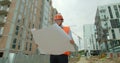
(26, 46)
(34, 18)
(30, 47)
(109, 8)
(113, 34)
(16, 32)
(17, 27)
(116, 11)
(1, 54)
(118, 42)
(115, 23)
(119, 7)
(119, 30)
(31, 36)
(33, 26)
(19, 45)
(14, 43)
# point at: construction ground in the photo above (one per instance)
(94, 59)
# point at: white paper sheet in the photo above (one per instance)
(52, 40)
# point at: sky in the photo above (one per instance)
(76, 13)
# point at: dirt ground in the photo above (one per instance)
(74, 60)
(94, 59)
(103, 60)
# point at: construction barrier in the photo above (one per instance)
(23, 58)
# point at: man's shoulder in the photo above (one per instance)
(66, 26)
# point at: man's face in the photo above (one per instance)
(59, 22)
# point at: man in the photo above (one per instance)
(62, 58)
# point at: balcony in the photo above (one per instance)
(4, 10)
(2, 20)
(5, 2)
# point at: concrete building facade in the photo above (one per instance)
(17, 17)
(89, 37)
(107, 23)
(46, 13)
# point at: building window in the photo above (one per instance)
(105, 17)
(16, 32)
(14, 43)
(33, 26)
(102, 11)
(115, 23)
(116, 11)
(119, 30)
(17, 29)
(30, 47)
(111, 43)
(109, 8)
(31, 37)
(119, 7)
(113, 34)
(118, 42)
(21, 32)
(29, 25)
(26, 46)
(1, 54)
(19, 45)
(18, 20)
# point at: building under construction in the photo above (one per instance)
(107, 23)
(17, 18)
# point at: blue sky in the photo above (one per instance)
(76, 13)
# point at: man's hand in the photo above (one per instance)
(72, 41)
